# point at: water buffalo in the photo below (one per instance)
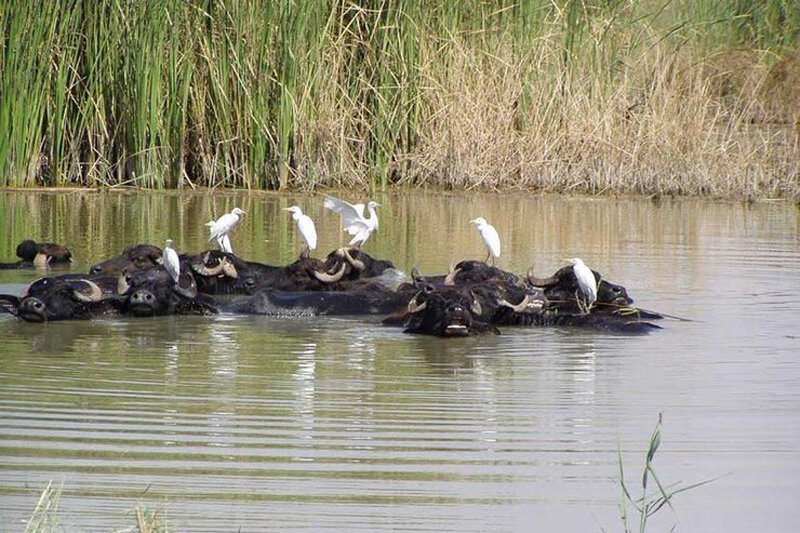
(218, 272)
(39, 255)
(445, 313)
(152, 292)
(62, 298)
(562, 287)
(493, 301)
(132, 258)
(469, 272)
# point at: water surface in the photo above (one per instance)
(340, 424)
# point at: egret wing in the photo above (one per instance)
(350, 213)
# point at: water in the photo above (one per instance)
(340, 424)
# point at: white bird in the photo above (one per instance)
(306, 227)
(353, 218)
(586, 282)
(490, 238)
(220, 228)
(223, 242)
(170, 261)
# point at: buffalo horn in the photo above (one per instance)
(413, 307)
(229, 269)
(523, 305)
(95, 295)
(190, 291)
(476, 305)
(122, 282)
(357, 264)
(324, 277)
(41, 260)
(203, 270)
(450, 279)
(540, 282)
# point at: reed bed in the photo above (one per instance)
(688, 97)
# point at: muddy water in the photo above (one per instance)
(340, 424)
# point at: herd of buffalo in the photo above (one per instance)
(472, 299)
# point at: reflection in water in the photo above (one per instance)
(340, 424)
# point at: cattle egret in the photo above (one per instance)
(586, 282)
(353, 218)
(223, 242)
(490, 238)
(306, 227)
(222, 226)
(170, 261)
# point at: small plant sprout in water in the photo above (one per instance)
(649, 503)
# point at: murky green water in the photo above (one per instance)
(340, 424)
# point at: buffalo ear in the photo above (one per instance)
(9, 303)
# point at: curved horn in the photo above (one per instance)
(122, 283)
(356, 263)
(203, 270)
(526, 303)
(415, 273)
(540, 282)
(476, 305)
(95, 295)
(41, 260)
(229, 269)
(324, 277)
(24, 292)
(450, 279)
(413, 307)
(190, 291)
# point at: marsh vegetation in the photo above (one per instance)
(652, 97)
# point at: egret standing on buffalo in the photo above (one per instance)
(353, 219)
(224, 225)
(170, 261)
(587, 283)
(306, 227)
(490, 238)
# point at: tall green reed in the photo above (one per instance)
(292, 94)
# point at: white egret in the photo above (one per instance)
(306, 227)
(220, 228)
(223, 242)
(586, 282)
(353, 219)
(170, 261)
(490, 238)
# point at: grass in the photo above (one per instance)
(685, 97)
(649, 503)
(44, 518)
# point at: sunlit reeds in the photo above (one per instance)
(688, 97)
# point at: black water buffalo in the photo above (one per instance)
(64, 297)
(445, 312)
(39, 254)
(493, 301)
(217, 272)
(132, 258)
(469, 272)
(562, 287)
(153, 292)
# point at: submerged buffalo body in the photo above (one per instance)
(366, 299)
(39, 254)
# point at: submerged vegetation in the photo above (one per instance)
(651, 97)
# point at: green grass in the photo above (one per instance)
(651, 501)
(653, 97)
